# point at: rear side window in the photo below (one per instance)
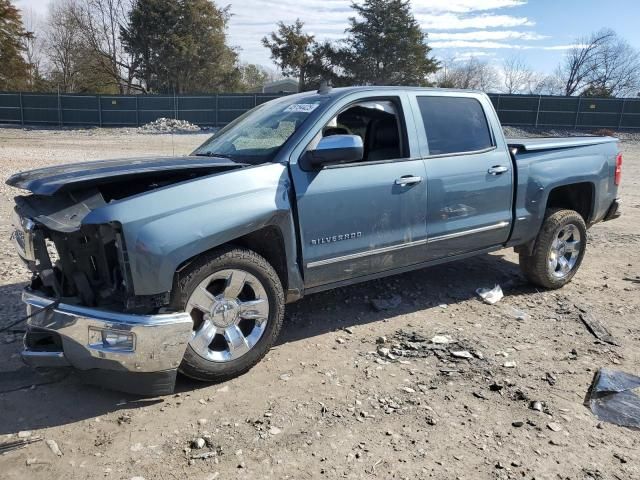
(454, 124)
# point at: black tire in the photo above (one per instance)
(195, 366)
(535, 267)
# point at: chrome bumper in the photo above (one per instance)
(156, 343)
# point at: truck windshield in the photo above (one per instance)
(257, 136)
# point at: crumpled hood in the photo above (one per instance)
(50, 180)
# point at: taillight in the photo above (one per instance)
(618, 175)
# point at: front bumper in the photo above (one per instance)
(146, 363)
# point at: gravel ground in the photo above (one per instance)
(352, 391)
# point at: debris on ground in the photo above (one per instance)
(490, 295)
(53, 446)
(597, 328)
(612, 399)
(169, 125)
(388, 303)
(17, 444)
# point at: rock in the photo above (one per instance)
(384, 351)
(461, 354)
(53, 446)
(441, 340)
(496, 387)
(224, 389)
(169, 125)
(24, 434)
(341, 340)
(554, 427)
(518, 424)
(381, 340)
(535, 405)
(510, 364)
(137, 478)
(198, 443)
(349, 330)
(621, 457)
(275, 431)
(202, 421)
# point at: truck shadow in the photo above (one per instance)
(31, 400)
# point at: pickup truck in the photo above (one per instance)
(149, 266)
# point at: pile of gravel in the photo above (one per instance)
(169, 125)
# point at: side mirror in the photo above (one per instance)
(334, 150)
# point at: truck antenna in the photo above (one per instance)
(325, 87)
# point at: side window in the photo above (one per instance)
(454, 124)
(378, 123)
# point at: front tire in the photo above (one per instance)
(559, 250)
(236, 301)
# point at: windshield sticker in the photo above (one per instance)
(302, 107)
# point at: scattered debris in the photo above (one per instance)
(461, 354)
(441, 340)
(510, 364)
(275, 431)
(517, 313)
(554, 427)
(390, 303)
(491, 295)
(550, 378)
(53, 446)
(536, 405)
(198, 443)
(597, 328)
(17, 444)
(612, 399)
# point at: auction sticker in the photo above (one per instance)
(302, 107)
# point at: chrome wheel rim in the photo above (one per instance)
(565, 250)
(230, 311)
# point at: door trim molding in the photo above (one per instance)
(375, 251)
(393, 248)
(463, 233)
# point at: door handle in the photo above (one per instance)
(497, 170)
(408, 180)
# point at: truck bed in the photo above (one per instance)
(553, 143)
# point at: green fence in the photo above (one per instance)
(69, 110)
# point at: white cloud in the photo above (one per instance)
(495, 45)
(463, 6)
(450, 21)
(486, 35)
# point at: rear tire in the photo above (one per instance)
(236, 301)
(559, 250)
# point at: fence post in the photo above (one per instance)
(99, 110)
(498, 105)
(217, 108)
(575, 123)
(21, 111)
(137, 112)
(624, 101)
(538, 109)
(255, 100)
(59, 109)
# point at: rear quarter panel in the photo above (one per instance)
(539, 172)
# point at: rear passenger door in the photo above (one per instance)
(469, 174)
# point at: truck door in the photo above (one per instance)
(470, 174)
(368, 216)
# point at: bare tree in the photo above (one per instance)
(579, 64)
(100, 22)
(615, 69)
(468, 73)
(34, 47)
(517, 76)
(62, 35)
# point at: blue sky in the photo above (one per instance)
(539, 31)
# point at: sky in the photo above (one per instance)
(537, 31)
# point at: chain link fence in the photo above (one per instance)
(75, 110)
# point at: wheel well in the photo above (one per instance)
(577, 196)
(268, 243)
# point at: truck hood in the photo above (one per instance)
(51, 180)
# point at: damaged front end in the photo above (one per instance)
(81, 264)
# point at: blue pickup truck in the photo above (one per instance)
(149, 266)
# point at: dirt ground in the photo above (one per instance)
(331, 402)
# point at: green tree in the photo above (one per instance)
(253, 77)
(14, 70)
(292, 51)
(386, 46)
(181, 46)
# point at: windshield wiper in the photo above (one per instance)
(213, 154)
